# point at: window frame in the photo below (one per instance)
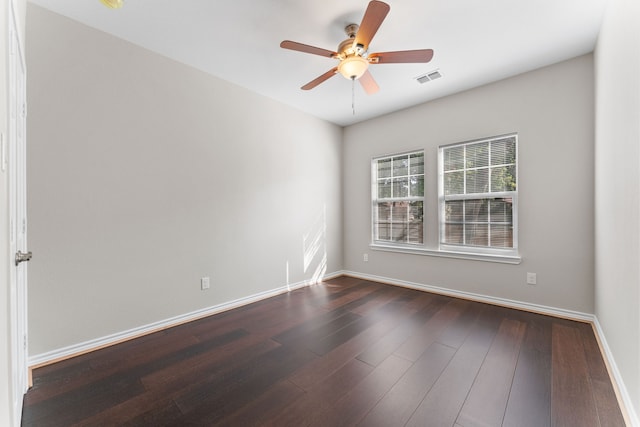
(375, 242)
(507, 252)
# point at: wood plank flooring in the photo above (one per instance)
(343, 353)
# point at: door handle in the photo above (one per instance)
(23, 256)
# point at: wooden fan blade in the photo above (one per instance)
(288, 44)
(315, 82)
(373, 17)
(368, 83)
(403, 56)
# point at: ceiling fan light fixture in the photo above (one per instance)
(353, 67)
(113, 4)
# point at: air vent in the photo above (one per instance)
(431, 75)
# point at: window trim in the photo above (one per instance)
(481, 251)
(444, 253)
(374, 200)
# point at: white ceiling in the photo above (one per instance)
(475, 42)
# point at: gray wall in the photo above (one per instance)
(617, 187)
(552, 110)
(146, 175)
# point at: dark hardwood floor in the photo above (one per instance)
(343, 353)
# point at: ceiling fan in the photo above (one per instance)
(353, 52)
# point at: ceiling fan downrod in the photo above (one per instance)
(351, 30)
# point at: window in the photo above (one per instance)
(398, 199)
(478, 197)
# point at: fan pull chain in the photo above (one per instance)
(353, 95)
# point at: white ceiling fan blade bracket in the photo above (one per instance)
(359, 49)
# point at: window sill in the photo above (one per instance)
(503, 259)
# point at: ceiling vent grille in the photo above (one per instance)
(431, 75)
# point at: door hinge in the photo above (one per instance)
(24, 341)
(24, 226)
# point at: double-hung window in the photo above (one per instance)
(398, 199)
(478, 196)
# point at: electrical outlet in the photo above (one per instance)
(205, 283)
(365, 257)
(531, 278)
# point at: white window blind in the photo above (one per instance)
(478, 194)
(398, 198)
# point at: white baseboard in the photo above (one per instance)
(536, 308)
(87, 346)
(631, 416)
(97, 343)
(623, 395)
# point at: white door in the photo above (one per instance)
(17, 216)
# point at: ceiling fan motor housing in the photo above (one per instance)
(347, 47)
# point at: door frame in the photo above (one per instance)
(16, 147)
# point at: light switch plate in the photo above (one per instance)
(532, 278)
